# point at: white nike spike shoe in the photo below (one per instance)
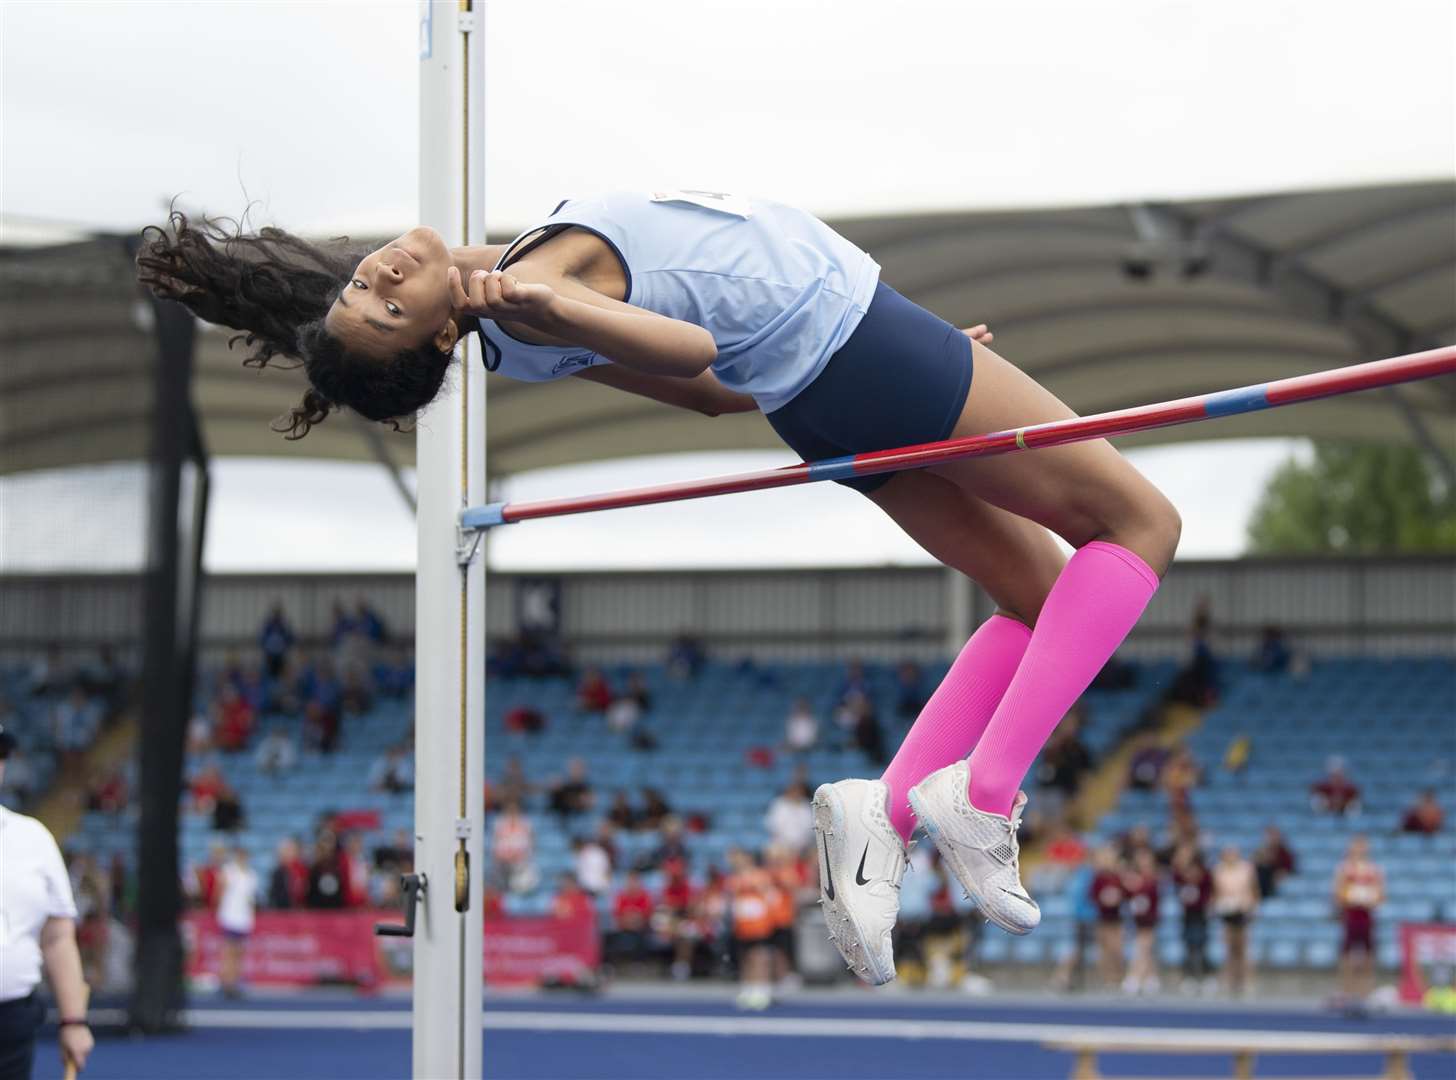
(980, 849)
(861, 863)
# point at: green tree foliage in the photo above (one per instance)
(1355, 499)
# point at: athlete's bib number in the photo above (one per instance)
(721, 201)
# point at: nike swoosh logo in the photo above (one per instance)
(859, 878)
(828, 877)
(1016, 896)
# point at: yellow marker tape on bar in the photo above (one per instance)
(1021, 438)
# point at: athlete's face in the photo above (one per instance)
(398, 298)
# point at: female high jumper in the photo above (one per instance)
(720, 304)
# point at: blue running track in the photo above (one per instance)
(672, 1038)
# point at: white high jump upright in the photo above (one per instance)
(449, 580)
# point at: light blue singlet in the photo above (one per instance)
(778, 289)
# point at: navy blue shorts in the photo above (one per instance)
(902, 378)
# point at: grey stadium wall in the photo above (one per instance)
(1403, 606)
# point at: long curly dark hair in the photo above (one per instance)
(276, 288)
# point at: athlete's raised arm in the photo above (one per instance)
(567, 312)
(703, 393)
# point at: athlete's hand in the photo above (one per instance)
(499, 296)
(980, 333)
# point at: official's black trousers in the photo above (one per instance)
(19, 1021)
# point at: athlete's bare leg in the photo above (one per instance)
(1014, 560)
(1082, 492)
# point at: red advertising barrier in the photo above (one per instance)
(307, 948)
(531, 951)
(1427, 960)
(291, 948)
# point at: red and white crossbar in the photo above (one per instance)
(1319, 384)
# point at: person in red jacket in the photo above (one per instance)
(205, 787)
(570, 901)
(235, 719)
(632, 918)
(208, 879)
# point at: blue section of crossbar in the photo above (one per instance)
(1244, 399)
(483, 517)
(835, 468)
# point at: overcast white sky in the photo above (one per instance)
(841, 106)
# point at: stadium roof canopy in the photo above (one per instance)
(1108, 306)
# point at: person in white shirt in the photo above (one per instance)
(801, 729)
(237, 902)
(37, 930)
(790, 819)
(593, 867)
(512, 845)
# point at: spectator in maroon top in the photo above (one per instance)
(1180, 776)
(109, 792)
(1425, 816)
(1142, 885)
(1273, 862)
(1108, 896)
(1195, 892)
(593, 695)
(524, 720)
(1335, 793)
(235, 718)
(321, 726)
(677, 890)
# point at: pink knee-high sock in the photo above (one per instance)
(956, 714)
(1094, 603)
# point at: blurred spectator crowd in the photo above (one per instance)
(667, 903)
